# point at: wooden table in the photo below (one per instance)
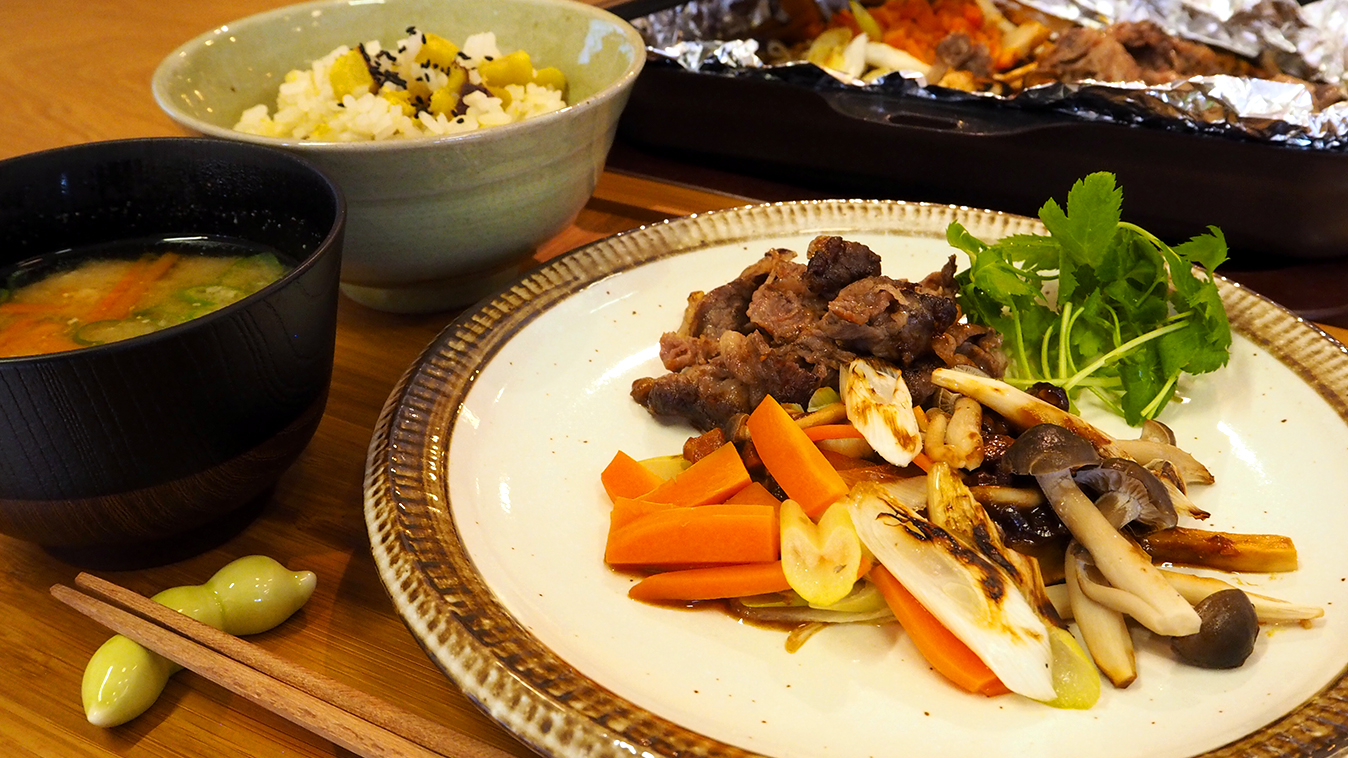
(105, 52)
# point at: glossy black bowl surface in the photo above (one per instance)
(151, 437)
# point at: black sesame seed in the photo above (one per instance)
(411, 30)
(486, 57)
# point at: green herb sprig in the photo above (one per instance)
(1130, 314)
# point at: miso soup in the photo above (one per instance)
(82, 298)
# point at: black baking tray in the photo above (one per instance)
(1268, 199)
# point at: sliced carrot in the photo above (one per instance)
(712, 479)
(793, 460)
(133, 285)
(110, 302)
(36, 338)
(625, 476)
(922, 461)
(740, 580)
(629, 509)
(13, 307)
(755, 493)
(833, 432)
(689, 537)
(13, 333)
(943, 650)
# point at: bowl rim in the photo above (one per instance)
(327, 246)
(174, 60)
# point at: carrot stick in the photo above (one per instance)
(949, 656)
(922, 461)
(712, 479)
(625, 476)
(629, 509)
(689, 537)
(740, 580)
(833, 432)
(793, 460)
(754, 493)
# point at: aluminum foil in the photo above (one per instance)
(1310, 41)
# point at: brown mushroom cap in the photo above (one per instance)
(1048, 448)
(1126, 492)
(1226, 639)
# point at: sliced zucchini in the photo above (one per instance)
(211, 295)
(253, 273)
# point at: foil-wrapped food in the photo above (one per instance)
(1270, 70)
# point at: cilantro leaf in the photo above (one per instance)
(1129, 314)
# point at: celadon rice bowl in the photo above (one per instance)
(309, 106)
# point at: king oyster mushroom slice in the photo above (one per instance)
(1024, 410)
(1050, 453)
(1128, 493)
(972, 596)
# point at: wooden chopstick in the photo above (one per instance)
(352, 719)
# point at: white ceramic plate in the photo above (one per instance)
(487, 521)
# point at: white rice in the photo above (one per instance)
(307, 108)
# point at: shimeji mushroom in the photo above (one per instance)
(1269, 610)
(1050, 453)
(1128, 493)
(1228, 633)
(1104, 630)
(1024, 410)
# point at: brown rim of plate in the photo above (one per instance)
(512, 676)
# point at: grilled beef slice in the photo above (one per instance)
(784, 329)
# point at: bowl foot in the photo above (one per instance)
(164, 550)
(438, 295)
